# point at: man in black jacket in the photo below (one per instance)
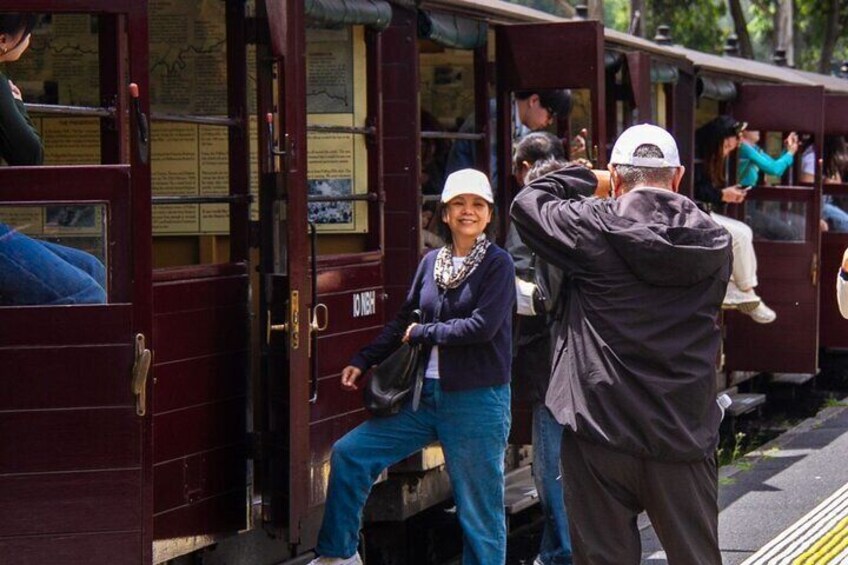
(634, 364)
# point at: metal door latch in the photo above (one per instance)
(140, 370)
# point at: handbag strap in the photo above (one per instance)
(419, 380)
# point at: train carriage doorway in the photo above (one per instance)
(530, 58)
(787, 264)
(75, 458)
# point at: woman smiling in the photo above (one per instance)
(466, 293)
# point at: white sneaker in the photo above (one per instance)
(355, 559)
(538, 561)
(735, 298)
(760, 313)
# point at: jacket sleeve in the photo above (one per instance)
(704, 189)
(391, 336)
(20, 143)
(551, 221)
(495, 303)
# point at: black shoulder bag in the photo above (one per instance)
(393, 380)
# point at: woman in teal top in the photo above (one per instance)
(752, 159)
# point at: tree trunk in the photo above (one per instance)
(740, 26)
(784, 28)
(831, 34)
(596, 10)
(637, 17)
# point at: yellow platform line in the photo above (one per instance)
(816, 539)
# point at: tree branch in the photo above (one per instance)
(740, 25)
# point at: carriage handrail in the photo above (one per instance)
(74, 111)
(366, 130)
(221, 199)
(452, 135)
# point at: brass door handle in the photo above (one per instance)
(292, 326)
(269, 327)
(314, 324)
(140, 370)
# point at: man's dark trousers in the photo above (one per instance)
(605, 490)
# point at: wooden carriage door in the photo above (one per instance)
(75, 468)
(286, 293)
(788, 267)
(540, 57)
(834, 328)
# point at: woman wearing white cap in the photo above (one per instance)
(466, 293)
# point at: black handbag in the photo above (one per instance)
(395, 379)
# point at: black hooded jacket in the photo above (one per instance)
(634, 366)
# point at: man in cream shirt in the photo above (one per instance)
(842, 286)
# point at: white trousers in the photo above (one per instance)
(744, 274)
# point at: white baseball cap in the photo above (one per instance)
(645, 134)
(467, 181)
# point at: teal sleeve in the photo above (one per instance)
(758, 160)
(20, 143)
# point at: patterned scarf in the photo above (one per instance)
(443, 271)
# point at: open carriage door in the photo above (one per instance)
(787, 252)
(286, 294)
(75, 455)
(543, 57)
(834, 328)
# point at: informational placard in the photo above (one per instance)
(336, 96)
(188, 77)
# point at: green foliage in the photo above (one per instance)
(694, 23)
(617, 14)
(550, 6)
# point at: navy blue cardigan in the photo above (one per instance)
(474, 331)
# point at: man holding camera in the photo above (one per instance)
(633, 377)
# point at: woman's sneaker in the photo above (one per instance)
(748, 303)
(353, 560)
(760, 313)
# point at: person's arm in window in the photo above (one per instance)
(770, 166)
(20, 143)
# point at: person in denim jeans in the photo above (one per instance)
(466, 293)
(538, 287)
(34, 271)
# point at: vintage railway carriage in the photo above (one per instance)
(257, 200)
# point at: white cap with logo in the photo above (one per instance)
(467, 181)
(645, 134)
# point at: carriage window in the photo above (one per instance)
(776, 220)
(53, 254)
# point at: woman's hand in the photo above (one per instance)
(733, 194)
(350, 375)
(16, 92)
(406, 335)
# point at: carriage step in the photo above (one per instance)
(520, 493)
(792, 378)
(745, 402)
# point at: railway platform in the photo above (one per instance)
(786, 502)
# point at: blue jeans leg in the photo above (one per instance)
(555, 547)
(358, 459)
(473, 427)
(37, 272)
(836, 217)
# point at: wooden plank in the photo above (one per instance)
(212, 515)
(77, 325)
(188, 480)
(180, 296)
(67, 377)
(198, 428)
(70, 503)
(343, 347)
(69, 440)
(104, 548)
(189, 382)
(199, 333)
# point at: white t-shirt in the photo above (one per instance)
(808, 161)
(432, 371)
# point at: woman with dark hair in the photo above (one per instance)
(714, 142)
(834, 171)
(34, 271)
(466, 293)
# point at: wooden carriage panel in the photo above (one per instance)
(200, 402)
(77, 549)
(834, 328)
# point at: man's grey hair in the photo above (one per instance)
(544, 167)
(632, 176)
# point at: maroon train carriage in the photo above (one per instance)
(269, 221)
